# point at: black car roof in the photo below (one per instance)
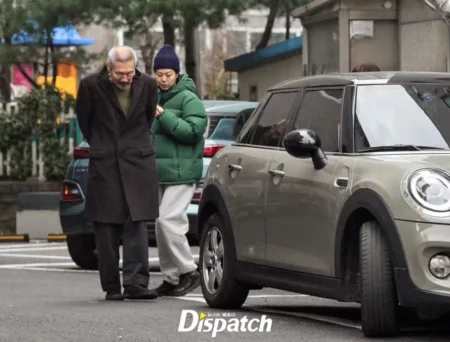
(343, 79)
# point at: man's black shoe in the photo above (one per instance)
(188, 283)
(114, 296)
(139, 292)
(165, 289)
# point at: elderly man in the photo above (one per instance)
(115, 110)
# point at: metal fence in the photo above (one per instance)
(69, 133)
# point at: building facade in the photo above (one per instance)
(394, 34)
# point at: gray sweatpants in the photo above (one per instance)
(175, 257)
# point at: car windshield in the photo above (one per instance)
(224, 130)
(408, 114)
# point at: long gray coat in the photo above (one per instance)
(122, 176)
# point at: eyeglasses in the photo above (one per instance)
(123, 74)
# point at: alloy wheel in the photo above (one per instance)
(213, 258)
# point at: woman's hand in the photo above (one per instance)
(159, 111)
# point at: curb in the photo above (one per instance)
(56, 237)
(15, 238)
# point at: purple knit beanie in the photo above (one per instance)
(167, 59)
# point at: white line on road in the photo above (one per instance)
(42, 256)
(64, 270)
(332, 320)
(31, 245)
(34, 256)
(257, 296)
(37, 249)
(38, 265)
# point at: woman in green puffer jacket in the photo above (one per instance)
(177, 135)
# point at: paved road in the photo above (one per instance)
(45, 297)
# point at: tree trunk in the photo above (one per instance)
(269, 25)
(288, 23)
(191, 48)
(5, 81)
(54, 61)
(169, 30)
(46, 64)
(148, 49)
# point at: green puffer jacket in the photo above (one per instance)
(178, 134)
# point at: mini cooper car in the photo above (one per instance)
(338, 187)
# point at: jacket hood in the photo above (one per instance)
(184, 83)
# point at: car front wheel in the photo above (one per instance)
(82, 250)
(219, 287)
(379, 305)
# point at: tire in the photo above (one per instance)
(82, 250)
(379, 304)
(229, 294)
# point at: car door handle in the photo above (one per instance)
(235, 167)
(341, 182)
(274, 173)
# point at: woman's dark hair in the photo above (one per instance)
(368, 66)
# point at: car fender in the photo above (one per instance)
(372, 202)
(212, 195)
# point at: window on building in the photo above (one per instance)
(253, 93)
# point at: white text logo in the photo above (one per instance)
(219, 322)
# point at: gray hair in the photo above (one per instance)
(121, 54)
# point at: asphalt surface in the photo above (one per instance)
(45, 297)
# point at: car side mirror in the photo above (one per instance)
(305, 143)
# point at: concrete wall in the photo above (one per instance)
(382, 49)
(267, 75)
(424, 37)
(323, 54)
(366, 4)
(9, 193)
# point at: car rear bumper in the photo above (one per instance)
(192, 212)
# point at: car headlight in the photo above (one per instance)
(428, 191)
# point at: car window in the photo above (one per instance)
(320, 111)
(241, 120)
(273, 120)
(402, 114)
(224, 130)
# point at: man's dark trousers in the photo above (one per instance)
(135, 268)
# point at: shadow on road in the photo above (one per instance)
(412, 326)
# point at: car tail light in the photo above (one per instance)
(197, 193)
(71, 192)
(80, 153)
(210, 150)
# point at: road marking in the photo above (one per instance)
(35, 256)
(80, 270)
(198, 297)
(257, 296)
(192, 299)
(12, 266)
(43, 256)
(31, 245)
(37, 249)
(331, 320)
